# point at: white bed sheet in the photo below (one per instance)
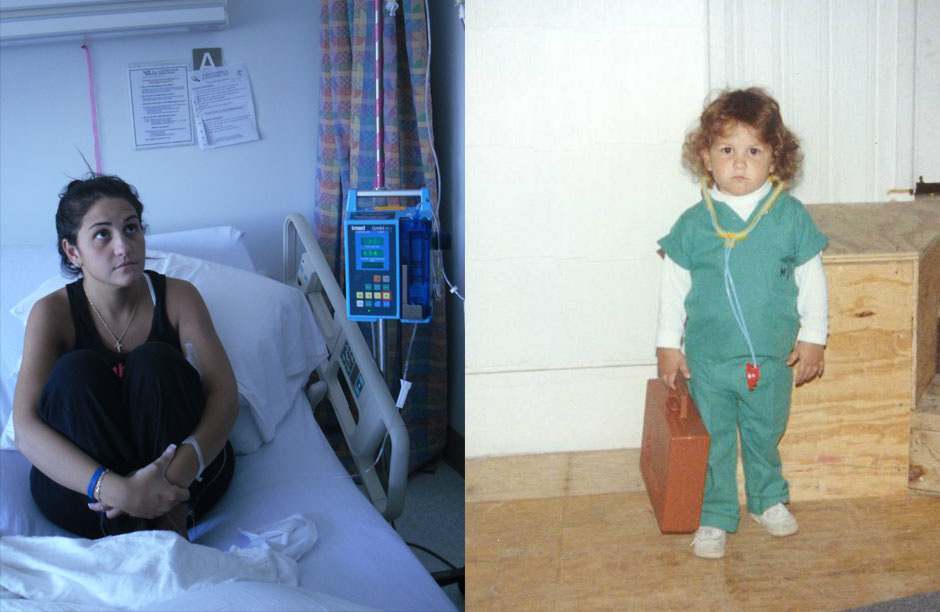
(358, 556)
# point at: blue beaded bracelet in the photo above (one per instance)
(93, 482)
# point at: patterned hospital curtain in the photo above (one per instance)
(346, 160)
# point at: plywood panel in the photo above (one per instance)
(927, 414)
(895, 229)
(925, 461)
(835, 451)
(848, 432)
(870, 296)
(925, 441)
(928, 309)
(864, 233)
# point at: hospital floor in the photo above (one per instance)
(433, 518)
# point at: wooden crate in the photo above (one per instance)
(849, 433)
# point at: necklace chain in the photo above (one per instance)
(117, 340)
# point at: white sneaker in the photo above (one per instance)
(777, 520)
(709, 543)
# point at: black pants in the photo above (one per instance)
(124, 423)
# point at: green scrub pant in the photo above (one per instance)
(725, 404)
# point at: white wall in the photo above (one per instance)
(45, 116)
(927, 94)
(576, 113)
(843, 73)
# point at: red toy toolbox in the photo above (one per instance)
(674, 456)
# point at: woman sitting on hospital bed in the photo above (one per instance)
(125, 397)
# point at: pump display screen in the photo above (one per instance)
(372, 250)
(371, 265)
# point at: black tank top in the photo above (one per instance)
(86, 336)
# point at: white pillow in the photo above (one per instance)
(22, 267)
(224, 244)
(266, 327)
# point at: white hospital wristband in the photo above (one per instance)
(202, 465)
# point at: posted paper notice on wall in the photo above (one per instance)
(223, 108)
(160, 106)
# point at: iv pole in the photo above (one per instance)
(447, 576)
(382, 334)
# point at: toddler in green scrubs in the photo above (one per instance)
(744, 294)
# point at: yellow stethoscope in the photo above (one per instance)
(730, 239)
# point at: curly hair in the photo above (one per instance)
(77, 198)
(755, 108)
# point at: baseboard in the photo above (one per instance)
(553, 475)
(454, 451)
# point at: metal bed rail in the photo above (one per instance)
(350, 377)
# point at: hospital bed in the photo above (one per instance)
(275, 334)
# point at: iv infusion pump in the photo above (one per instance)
(388, 258)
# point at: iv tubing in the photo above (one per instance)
(374, 463)
(414, 329)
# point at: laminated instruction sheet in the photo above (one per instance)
(160, 106)
(223, 107)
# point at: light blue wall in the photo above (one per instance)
(45, 116)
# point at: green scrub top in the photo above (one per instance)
(762, 268)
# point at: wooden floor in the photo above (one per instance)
(603, 551)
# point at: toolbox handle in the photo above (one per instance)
(678, 400)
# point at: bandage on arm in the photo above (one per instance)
(812, 302)
(202, 464)
(674, 287)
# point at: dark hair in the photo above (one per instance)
(77, 198)
(755, 108)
